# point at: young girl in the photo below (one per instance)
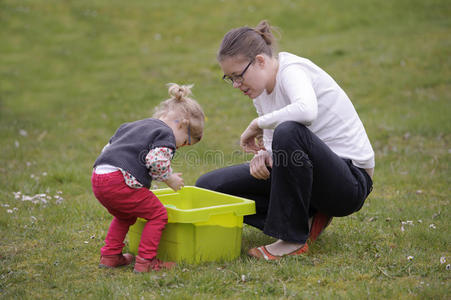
(138, 153)
(312, 157)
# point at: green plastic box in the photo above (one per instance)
(203, 225)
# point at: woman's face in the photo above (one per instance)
(253, 81)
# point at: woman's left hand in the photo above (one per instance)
(249, 137)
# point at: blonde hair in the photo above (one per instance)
(248, 42)
(187, 108)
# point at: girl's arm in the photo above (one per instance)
(158, 161)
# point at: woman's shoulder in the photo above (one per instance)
(289, 62)
(287, 58)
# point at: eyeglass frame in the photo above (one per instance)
(238, 78)
(188, 131)
(189, 134)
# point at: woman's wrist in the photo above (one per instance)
(254, 124)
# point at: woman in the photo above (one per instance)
(313, 158)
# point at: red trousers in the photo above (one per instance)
(126, 204)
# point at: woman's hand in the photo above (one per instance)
(258, 165)
(175, 181)
(252, 138)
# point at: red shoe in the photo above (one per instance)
(320, 222)
(154, 264)
(114, 261)
(262, 253)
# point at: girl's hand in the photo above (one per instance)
(258, 165)
(175, 181)
(249, 137)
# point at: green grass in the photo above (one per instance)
(72, 71)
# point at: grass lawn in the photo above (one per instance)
(72, 71)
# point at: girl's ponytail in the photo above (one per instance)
(179, 92)
(187, 108)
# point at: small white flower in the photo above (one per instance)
(23, 132)
(9, 211)
(243, 277)
(402, 228)
(448, 266)
(410, 257)
(420, 221)
(44, 173)
(86, 242)
(409, 222)
(17, 144)
(28, 163)
(432, 226)
(442, 260)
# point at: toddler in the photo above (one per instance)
(136, 154)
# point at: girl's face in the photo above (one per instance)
(180, 127)
(251, 77)
(182, 133)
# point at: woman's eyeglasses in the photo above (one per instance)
(231, 79)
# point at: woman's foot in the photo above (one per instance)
(282, 249)
(154, 264)
(115, 260)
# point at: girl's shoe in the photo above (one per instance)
(154, 264)
(320, 222)
(116, 260)
(262, 253)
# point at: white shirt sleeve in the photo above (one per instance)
(303, 107)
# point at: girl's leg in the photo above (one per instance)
(157, 217)
(114, 241)
(237, 180)
(126, 204)
(307, 176)
(139, 203)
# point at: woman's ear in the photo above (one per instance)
(260, 59)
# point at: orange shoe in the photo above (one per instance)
(116, 260)
(154, 264)
(262, 253)
(320, 222)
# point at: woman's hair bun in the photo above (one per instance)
(179, 92)
(264, 30)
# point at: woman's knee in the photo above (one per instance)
(206, 181)
(286, 135)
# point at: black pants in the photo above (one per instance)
(306, 177)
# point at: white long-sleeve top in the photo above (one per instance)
(306, 94)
